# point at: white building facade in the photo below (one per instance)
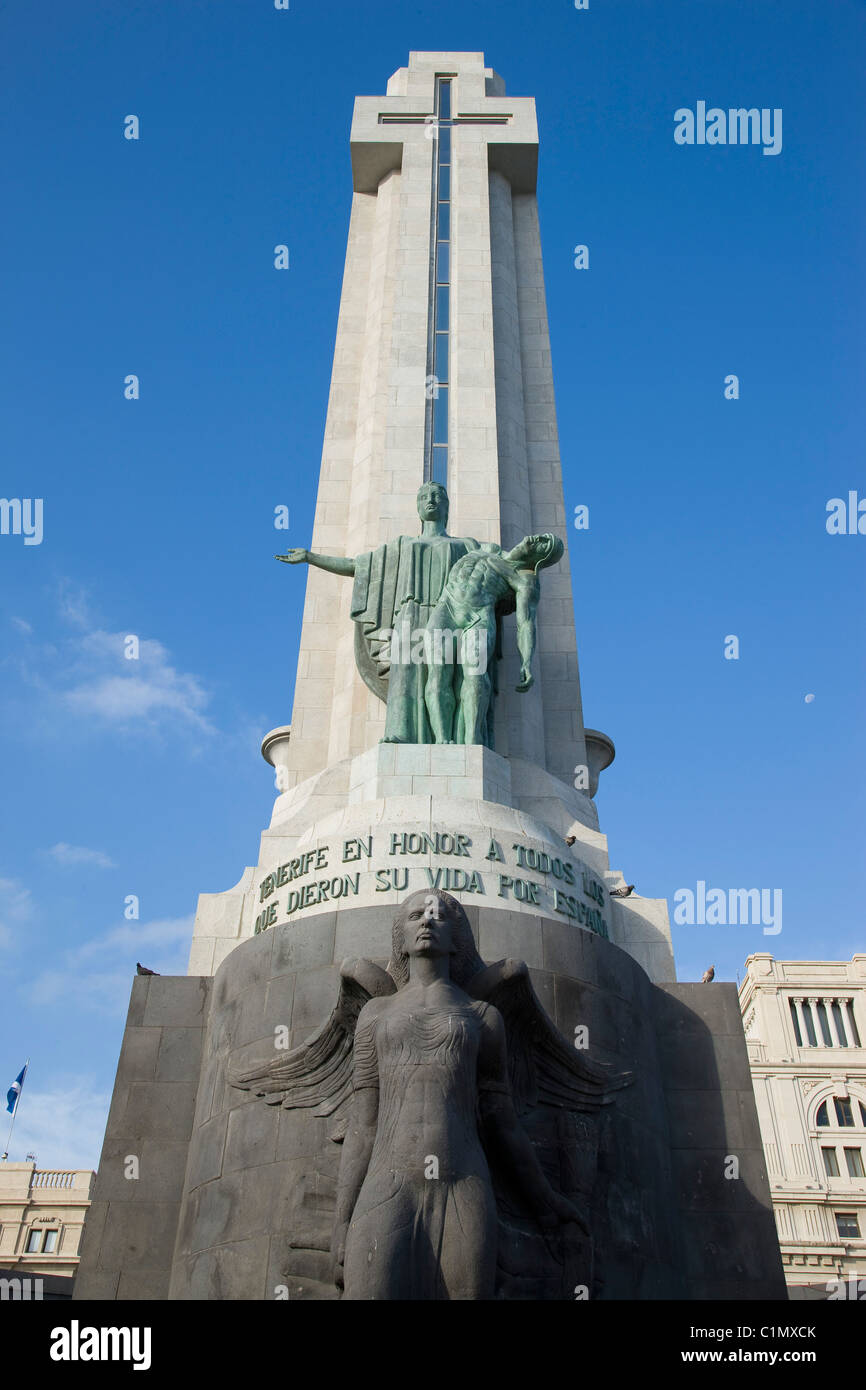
(805, 1024)
(42, 1214)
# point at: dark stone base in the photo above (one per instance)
(234, 1196)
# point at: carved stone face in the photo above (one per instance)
(444, 919)
(432, 502)
(428, 926)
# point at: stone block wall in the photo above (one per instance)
(728, 1237)
(129, 1233)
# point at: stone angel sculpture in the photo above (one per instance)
(440, 1062)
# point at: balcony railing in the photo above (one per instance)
(52, 1177)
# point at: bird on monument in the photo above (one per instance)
(143, 970)
(708, 975)
(625, 892)
(570, 839)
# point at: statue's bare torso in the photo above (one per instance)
(424, 1225)
(478, 582)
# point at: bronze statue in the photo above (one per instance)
(428, 611)
(480, 587)
(395, 590)
(443, 1062)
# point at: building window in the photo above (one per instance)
(840, 1027)
(825, 1024)
(51, 1237)
(831, 1163)
(811, 1035)
(847, 1225)
(34, 1242)
(854, 1160)
(842, 1116)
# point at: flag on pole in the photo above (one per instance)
(15, 1090)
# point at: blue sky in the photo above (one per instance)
(707, 516)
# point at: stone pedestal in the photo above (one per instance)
(397, 818)
(236, 1196)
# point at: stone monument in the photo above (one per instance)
(422, 1052)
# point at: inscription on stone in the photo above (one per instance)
(583, 904)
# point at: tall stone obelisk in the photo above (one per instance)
(442, 370)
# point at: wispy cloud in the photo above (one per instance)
(16, 907)
(161, 935)
(71, 856)
(97, 975)
(143, 689)
(74, 606)
(121, 679)
(21, 625)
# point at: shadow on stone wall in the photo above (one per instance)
(727, 1231)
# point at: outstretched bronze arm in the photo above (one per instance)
(335, 564)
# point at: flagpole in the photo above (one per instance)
(15, 1109)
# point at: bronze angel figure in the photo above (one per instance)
(444, 1066)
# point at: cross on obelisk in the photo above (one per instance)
(438, 125)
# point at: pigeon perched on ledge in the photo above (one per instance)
(625, 892)
(570, 839)
(143, 970)
(708, 975)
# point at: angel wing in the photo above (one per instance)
(543, 1069)
(319, 1072)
